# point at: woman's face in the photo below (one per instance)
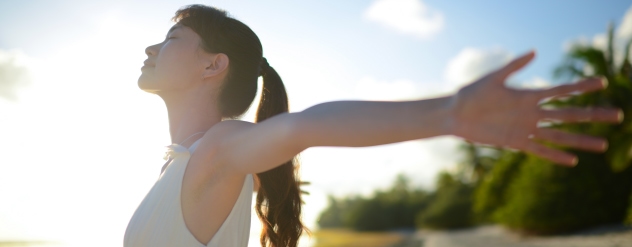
(174, 64)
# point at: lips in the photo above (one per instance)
(149, 64)
(146, 65)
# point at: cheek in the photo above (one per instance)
(174, 69)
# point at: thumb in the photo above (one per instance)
(515, 65)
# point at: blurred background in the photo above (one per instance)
(81, 145)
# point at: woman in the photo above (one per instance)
(206, 71)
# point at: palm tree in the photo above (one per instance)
(585, 61)
(522, 193)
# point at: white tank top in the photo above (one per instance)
(158, 220)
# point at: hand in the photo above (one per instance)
(488, 112)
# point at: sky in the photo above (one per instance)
(82, 145)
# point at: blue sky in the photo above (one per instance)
(78, 121)
(36, 26)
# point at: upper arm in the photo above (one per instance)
(242, 147)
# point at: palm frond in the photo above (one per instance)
(610, 52)
(626, 67)
(577, 58)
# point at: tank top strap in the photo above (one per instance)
(194, 145)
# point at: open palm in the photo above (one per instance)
(488, 112)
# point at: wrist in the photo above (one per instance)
(439, 116)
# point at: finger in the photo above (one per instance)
(515, 65)
(574, 114)
(584, 142)
(554, 155)
(587, 85)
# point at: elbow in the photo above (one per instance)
(297, 132)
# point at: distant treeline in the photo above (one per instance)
(521, 192)
(402, 207)
(517, 190)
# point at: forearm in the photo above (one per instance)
(369, 123)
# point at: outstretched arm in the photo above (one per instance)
(485, 111)
(254, 148)
(369, 123)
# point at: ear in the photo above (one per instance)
(215, 65)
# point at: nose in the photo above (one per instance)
(151, 50)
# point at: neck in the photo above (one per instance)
(190, 112)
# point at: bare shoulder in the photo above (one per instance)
(204, 161)
(225, 128)
(219, 132)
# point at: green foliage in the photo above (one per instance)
(544, 198)
(618, 94)
(451, 207)
(490, 193)
(478, 161)
(331, 217)
(628, 218)
(385, 210)
(402, 207)
(619, 154)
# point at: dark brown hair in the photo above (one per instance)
(278, 202)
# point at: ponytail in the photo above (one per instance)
(278, 202)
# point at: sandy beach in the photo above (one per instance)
(497, 236)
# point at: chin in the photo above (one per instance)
(145, 84)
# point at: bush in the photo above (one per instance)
(451, 207)
(545, 198)
(489, 195)
(628, 218)
(385, 210)
(331, 217)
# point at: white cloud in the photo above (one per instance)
(625, 28)
(623, 35)
(600, 41)
(472, 63)
(370, 88)
(581, 40)
(421, 160)
(406, 16)
(13, 73)
(468, 65)
(534, 83)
